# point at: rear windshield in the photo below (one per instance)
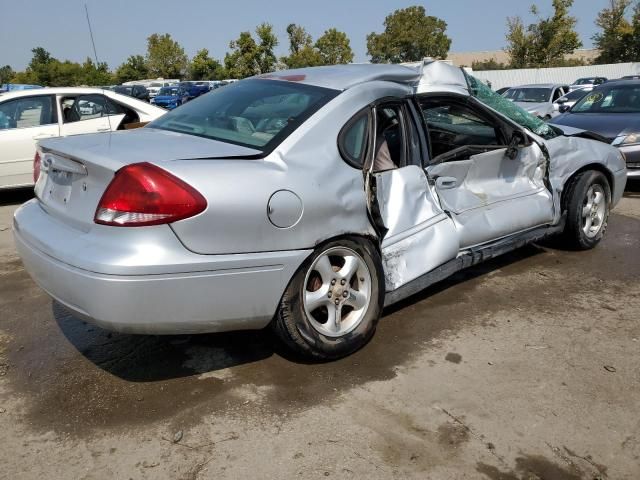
(254, 113)
(618, 99)
(168, 91)
(585, 81)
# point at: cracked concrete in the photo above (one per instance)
(522, 368)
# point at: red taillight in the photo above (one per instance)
(36, 167)
(143, 194)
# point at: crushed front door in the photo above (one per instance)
(417, 236)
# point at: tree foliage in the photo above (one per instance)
(204, 67)
(618, 39)
(545, 42)
(409, 35)
(334, 48)
(165, 57)
(302, 52)
(135, 68)
(6, 74)
(248, 57)
(490, 64)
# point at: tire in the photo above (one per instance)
(305, 322)
(587, 202)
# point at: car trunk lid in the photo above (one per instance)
(75, 171)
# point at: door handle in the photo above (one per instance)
(105, 129)
(446, 182)
(43, 135)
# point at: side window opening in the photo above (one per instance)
(27, 112)
(452, 126)
(390, 139)
(352, 141)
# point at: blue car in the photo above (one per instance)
(171, 97)
(195, 89)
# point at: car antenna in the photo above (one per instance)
(95, 55)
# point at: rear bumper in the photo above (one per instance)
(226, 292)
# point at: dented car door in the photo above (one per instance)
(417, 236)
(490, 177)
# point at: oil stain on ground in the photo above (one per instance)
(530, 468)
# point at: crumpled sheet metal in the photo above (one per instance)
(570, 154)
(421, 236)
(496, 195)
(508, 108)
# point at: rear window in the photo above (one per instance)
(254, 113)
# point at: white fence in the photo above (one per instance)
(567, 75)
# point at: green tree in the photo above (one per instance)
(615, 30)
(203, 67)
(409, 35)
(490, 64)
(6, 74)
(266, 58)
(248, 57)
(334, 47)
(135, 68)
(165, 57)
(39, 69)
(633, 38)
(94, 75)
(545, 42)
(301, 50)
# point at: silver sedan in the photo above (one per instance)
(306, 200)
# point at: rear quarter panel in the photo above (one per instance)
(307, 163)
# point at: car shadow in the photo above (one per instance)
(149, 358)
(632, 190)
(15, 196)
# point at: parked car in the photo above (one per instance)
(612, 111)
(567, 101)
(195, 89)
(135, 91)
(154, 87)
(630, 77)
(587, 83)
(31, 115)
(305, 199)
(537, 99)
(171, 97)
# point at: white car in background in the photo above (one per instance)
(537, 99)
(31, 115)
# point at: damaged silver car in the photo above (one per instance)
(306, 200)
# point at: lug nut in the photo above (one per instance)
(343, 281)
(337, 301)
(333, 282)
(345, 294)
(329, 295)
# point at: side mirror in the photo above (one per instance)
(564, 108)
(517, 138)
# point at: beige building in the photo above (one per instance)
(467, 58)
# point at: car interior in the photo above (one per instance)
(87, 107)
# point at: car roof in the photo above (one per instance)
(52, 91)
(342, 77)
(626, 82)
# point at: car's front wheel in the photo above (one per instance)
(587, 202)
(333, 303)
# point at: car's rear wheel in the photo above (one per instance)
(587, 202)
(333, 303)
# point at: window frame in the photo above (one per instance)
(359, 165)
(54, 111)
(505, 128)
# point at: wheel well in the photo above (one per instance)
(355, 237)
(592, 166)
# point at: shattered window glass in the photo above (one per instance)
(506, 107)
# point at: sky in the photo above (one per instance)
(120, 27)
